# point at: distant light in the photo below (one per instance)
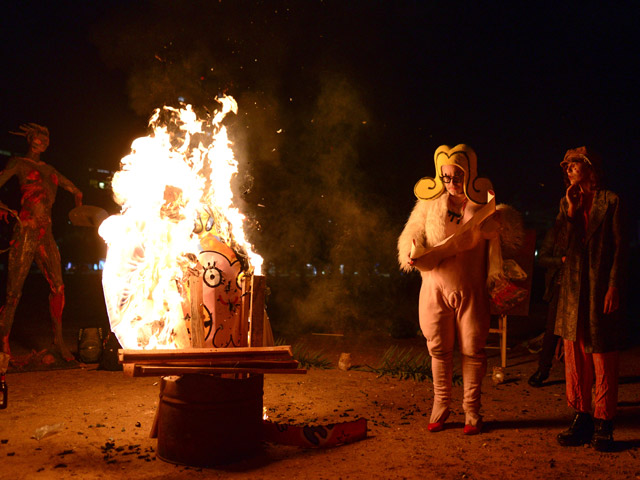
(102, 185)
(181, 99)
(101, 264)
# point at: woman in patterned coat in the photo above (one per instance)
(588, 316)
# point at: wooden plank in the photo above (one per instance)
(203, 360)
(224, 363)
(280, 352)
(245, 307)
(204, 351)
(197, 311)
(158, 370)
(256, 318)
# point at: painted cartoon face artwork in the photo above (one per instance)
(222, 295)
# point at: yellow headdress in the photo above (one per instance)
(463, 157)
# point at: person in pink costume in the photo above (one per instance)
(32, 236)
(454, 300)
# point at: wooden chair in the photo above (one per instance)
(524, 257)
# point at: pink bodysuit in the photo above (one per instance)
(453, 303)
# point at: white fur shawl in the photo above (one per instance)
(425, 226)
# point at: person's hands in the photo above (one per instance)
(426, 262)
(574, 198)
(611, 300)
(5, 212)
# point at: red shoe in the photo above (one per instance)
(473, 429)
(439, 426)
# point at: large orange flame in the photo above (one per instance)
(175, 193)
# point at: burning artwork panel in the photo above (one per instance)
(177, 222)
(183, 289)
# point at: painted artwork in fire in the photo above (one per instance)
(222, 295)
(177, 217)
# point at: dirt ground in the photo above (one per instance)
(102, 421)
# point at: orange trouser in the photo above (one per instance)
(582, 370)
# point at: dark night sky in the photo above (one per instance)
(381, 83)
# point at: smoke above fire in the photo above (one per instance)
(313, 213)
(326, 232)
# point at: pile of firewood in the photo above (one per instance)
(256, 360)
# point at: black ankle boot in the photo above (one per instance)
(537, 378)
(579, 433)
(602, 439)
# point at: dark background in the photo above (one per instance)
(341, 106)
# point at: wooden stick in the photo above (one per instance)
(256, 336)
(197, 312)
(159, 371)
(245, 307)
(156, 419)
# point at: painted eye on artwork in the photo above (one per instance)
(212, 276)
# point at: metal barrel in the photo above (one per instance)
(204, 421)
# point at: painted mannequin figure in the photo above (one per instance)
(32, 236)
(454, 301)
(589, 316)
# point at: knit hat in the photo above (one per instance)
(582, 154)
(463, 157)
